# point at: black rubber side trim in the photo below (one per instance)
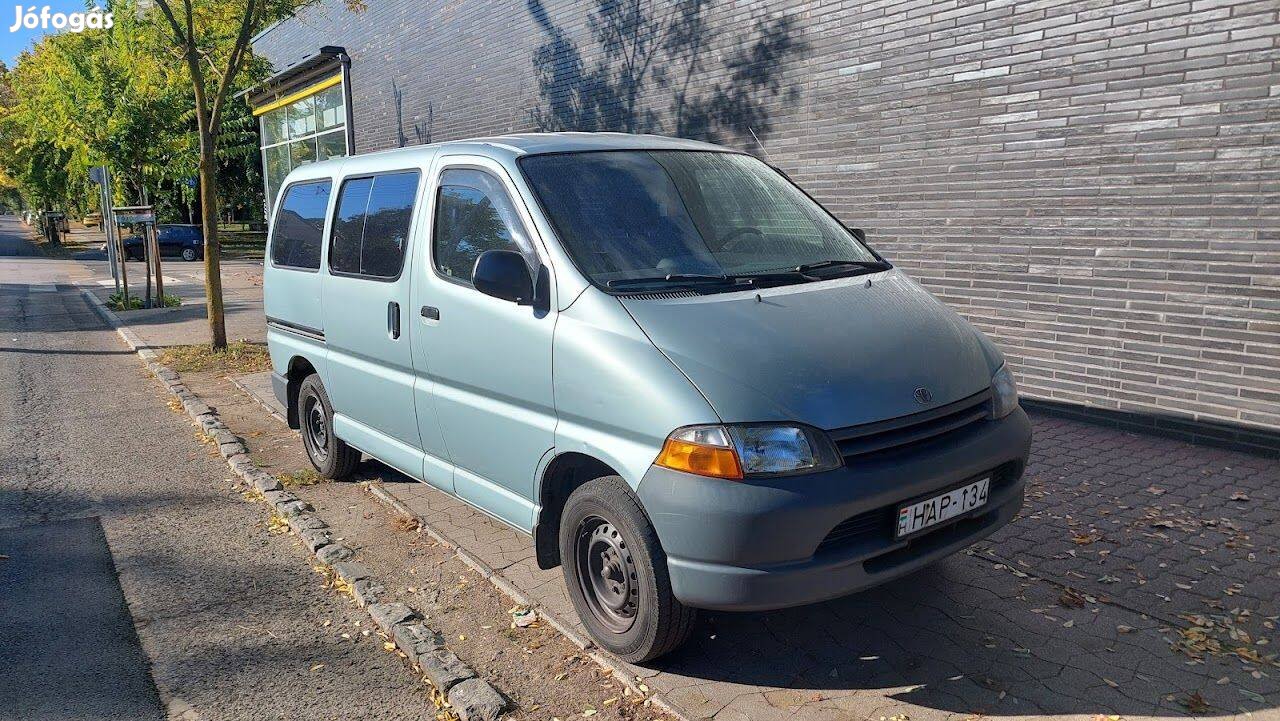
(296, 328)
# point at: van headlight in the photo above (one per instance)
(1004, 393)
(748, 450)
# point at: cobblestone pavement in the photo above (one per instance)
(1063, 612)
(1028, 622)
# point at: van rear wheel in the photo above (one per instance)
(616, 573)
(331, 457)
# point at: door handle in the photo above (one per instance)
(430, 312)
(393, 320)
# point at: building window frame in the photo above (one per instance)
(283, 104)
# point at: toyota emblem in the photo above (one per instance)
(923, 395)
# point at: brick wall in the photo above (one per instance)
(1095, 184)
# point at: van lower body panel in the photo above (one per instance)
(786, 541)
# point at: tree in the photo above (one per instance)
(211, 38)
(92, 98)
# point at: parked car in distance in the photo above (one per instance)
(175, 240)
(748, 408)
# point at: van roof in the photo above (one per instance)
(520, 144)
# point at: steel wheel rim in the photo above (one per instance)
(315, 429)
(607, 574)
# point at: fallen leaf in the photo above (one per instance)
(1071, 598)
(1195, 703)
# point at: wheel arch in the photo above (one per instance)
(299, 369)
(563, 475)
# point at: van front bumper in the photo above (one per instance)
(763, 543)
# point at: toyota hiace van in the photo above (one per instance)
(685, 380)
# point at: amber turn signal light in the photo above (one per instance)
(695, 450)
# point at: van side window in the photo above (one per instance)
(371, 227)
(474, 214)
(296, 238)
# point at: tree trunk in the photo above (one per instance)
(209, 220)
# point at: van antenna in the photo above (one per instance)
(767, 159)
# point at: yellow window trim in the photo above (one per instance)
(295, 97)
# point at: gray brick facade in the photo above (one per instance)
(1095, 184)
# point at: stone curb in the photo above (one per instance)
(472, 698)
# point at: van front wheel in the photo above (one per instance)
(616, 573)
(331, 457)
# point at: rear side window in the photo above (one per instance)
(298, 235)
(474, 214)
(371, 227)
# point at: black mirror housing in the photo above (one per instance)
(503, 274)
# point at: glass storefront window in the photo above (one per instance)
(330, 112)
(275, 163)
(331, 144)
(302, 117)
(302, 152)
(275, 126)
(312, 128)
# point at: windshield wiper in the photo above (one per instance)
(864, 264)
(783, 277)
(673, 279)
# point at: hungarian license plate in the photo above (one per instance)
(916, 517)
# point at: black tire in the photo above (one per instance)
(189, 254)
(331, 457)
(626, 604)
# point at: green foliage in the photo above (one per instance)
(119, 97)
(115, 301)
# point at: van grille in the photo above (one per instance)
(899, 433)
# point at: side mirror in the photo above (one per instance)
(503, 274)
(859, 233)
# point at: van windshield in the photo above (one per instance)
(677, 216)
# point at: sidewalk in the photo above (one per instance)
(1142, 579)
(187, 324)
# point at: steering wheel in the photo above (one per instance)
(734, 238)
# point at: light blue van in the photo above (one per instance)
(686, 380)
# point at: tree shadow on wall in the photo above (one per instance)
(648, 45)
(421, 135)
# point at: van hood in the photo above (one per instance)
(829, 353)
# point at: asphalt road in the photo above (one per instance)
(134, 582)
